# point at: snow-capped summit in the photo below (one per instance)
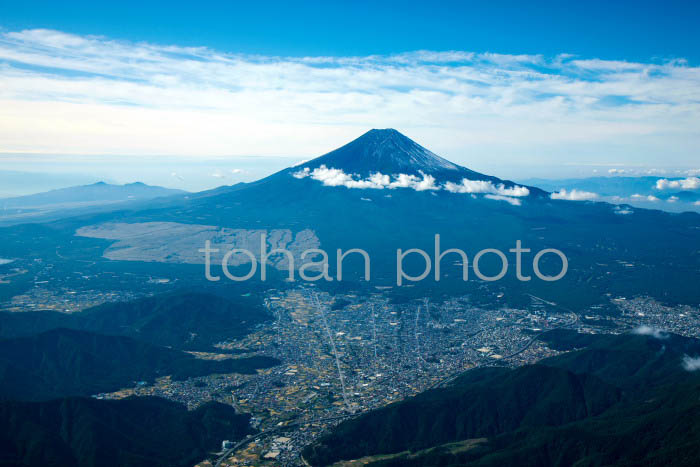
(388, 159)
(386, 151)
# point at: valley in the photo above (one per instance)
(121, 306)
(385, 353)
(345, 234)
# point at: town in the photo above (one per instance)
(345, 354)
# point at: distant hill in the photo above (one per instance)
(64, 362)
(183, 320)
(133, 432)
(14, 183)
(622, 400)
(77, 200)
(636, 191)
(604, 186)
(95, 193)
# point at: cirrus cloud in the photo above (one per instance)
(66, 93)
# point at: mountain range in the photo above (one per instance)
(76, 200)
(621, 400)
(182, 320)
(383, 191)
(648, 192)
(137, 431)
(65, 362)
(379, 192)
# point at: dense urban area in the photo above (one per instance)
(346, 354)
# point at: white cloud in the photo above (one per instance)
(237, 171)
(427, 182)
(656, 333)
(650, 198)
(617, 171)
(69, 94)
(485, 186)
(302, 173)
(690, 183)
(622, 211)
(513, 201)
(337, 177)
(672, 199)
(574, 195)
(691, 363)
(697, 203)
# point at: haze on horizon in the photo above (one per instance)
(120, 99)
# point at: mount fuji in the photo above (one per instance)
(383, 191)
(388, 159)
(390, 152)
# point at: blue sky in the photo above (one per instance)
(575, 89)
(621, 30)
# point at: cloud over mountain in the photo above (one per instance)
(481, 186)
(691, 363)
(645, 330)
(649, 198)
(337, 177)
(574, 195)
(690, 183)
(377, 180)
(508, 199)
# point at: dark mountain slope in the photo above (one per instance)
(492, 401)
(191, 321)
(629, 387)
(183, 320)
(65, 362)
(131, 432)
(661, 431)
(636, 363)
